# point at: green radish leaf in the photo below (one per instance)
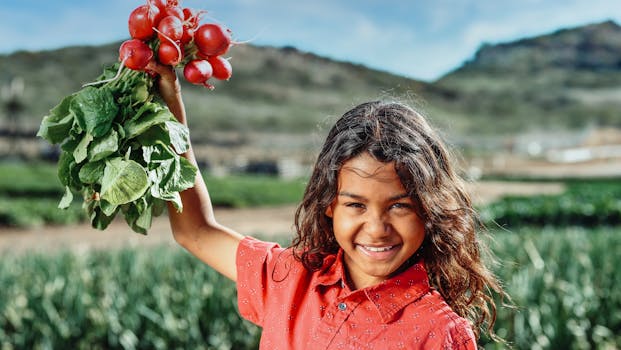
(179, 136)
(103, 147)
(174, 175)
(55, 126)
(56, 131)
(140, 93)
(99, 220)
(119, 129)
(107, 208)
(172, 197)
(65, 160)
(158, 153)
(120, 148)
(81, 150)
(123, 181)
(159, 206)
(144, 215)
(182, 177)
(92, 172)
(136, 127)
(65, 202)
(71, 142)
(95, 110)
(68, 171)
(154, 135)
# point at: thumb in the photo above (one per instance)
(168, 82)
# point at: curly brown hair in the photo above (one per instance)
(394, 132)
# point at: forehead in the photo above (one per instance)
(364, 166)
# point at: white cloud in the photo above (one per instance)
(541, 18)
(423, 40)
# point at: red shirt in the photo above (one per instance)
(298, 309)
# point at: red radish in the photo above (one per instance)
(188, 13)
(174, 11)
(160, 4)
(191, 17)
(212, 40)
(222, 69)
(170, 27)
(157, 11)
(169, 53)
(141, 22)
(188, 34)
(191, 20)
(135, 54)
(197, 72)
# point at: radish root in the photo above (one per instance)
(118, 74)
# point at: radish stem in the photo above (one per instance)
(118, 73)
(171, 40)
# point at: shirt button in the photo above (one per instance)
(342, 306)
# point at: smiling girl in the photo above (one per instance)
(386, 254)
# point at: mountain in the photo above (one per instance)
(272, 89)
(570, 78)
(565, 80)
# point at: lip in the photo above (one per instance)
(375, 252)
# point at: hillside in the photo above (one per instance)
(272, 89)
(567, 79)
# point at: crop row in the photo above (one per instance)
(29, 194)
(565, 286)
(584, 203)
(129, 299)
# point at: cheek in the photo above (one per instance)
(343, 225)
(416, 232)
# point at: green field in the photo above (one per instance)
(30, 193)
(558, 256)
(565, 284)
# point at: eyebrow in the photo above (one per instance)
(359, 197)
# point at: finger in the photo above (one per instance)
(164, 71)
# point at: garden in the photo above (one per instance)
(557, 255)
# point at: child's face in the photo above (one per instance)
(374, 220)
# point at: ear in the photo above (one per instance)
(329, 211)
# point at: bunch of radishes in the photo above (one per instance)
(174, 36)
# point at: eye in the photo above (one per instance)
(356, 205)
(401, 206)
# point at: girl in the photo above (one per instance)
(385, 257)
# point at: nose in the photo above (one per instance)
(376, 224)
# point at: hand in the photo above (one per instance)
(169, 88)
(168, 82)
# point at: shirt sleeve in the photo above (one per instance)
(460, 336)
(253, 261)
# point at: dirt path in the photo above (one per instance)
(274, 221)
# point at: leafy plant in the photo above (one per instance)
(120, 148)
(585, 203)
(565, 284)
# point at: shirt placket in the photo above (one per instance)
(333, 319)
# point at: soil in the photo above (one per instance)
(264, 221)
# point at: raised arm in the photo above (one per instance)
(195, 228)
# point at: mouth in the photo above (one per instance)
(378, 252)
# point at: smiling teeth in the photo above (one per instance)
(378, 249)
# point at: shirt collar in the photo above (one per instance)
(332, 271)
(389, 296)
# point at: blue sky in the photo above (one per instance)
(418, 39)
